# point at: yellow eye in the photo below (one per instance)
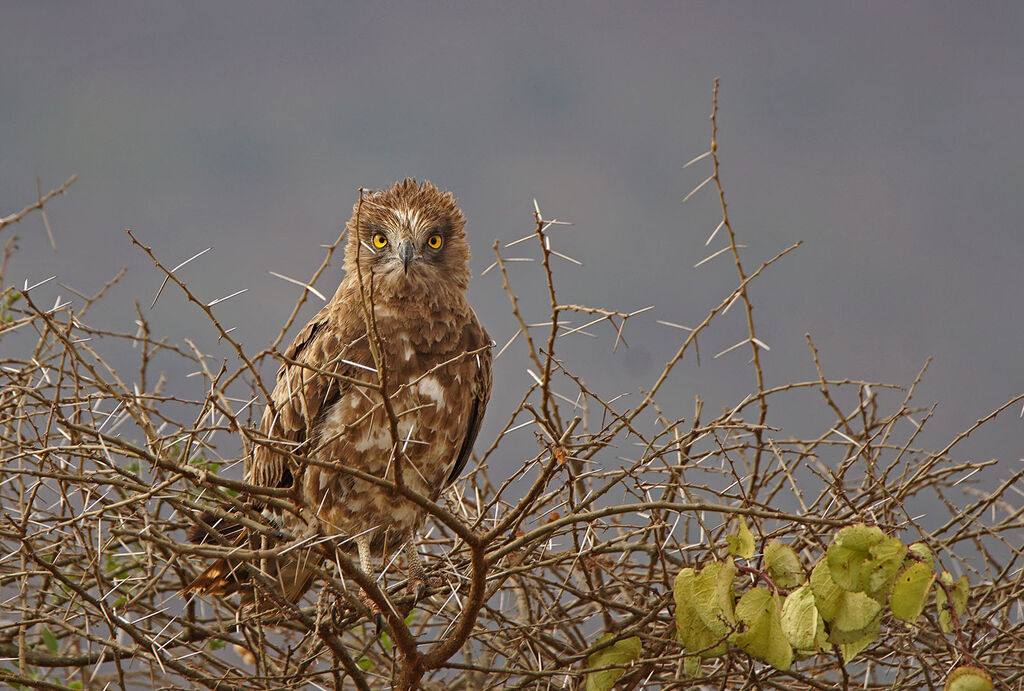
(380, 240)
(435, 241)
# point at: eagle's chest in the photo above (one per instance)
(430, 409)
(427, 413)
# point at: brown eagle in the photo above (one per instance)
(407, 245)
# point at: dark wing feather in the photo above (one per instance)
(481, 392)
(303, 338)
(303, 392)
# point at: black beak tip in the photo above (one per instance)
(408, 253)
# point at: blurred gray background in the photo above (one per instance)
(887, 137)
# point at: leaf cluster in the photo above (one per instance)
(863, 577)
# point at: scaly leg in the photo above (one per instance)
(419, 583)
(365, 558)
(366, 564)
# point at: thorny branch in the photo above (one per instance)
(573, 523)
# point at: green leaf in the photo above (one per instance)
(850, 615)
(50, 641)
(880, 570)
(691, 631)
(741, 543)
(622, 652)
(365, 663)
(713, 597)
(910, 591)
(801, 621)
(783, 565)
(117, 568)
(921, 551)
(848, 552)
(828, 597)
(968, 679)
(853, 647)
(960, 592)
(74, 684)
(763, 639)
(691, 666)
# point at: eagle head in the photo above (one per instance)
(408, 239)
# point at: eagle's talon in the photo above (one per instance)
(418, 587)
(421, 587)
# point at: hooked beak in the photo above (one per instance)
(406, 251)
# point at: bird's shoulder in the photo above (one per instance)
(318, 365)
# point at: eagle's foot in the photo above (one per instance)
(375, 614)
(328, 614)
(421, 585)
(366, 564)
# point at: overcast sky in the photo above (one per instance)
(886, 137)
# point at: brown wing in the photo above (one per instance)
(305, 390)
(480, 391)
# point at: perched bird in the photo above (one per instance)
(406, 274)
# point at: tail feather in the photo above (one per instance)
(292, 572)
(220, 578)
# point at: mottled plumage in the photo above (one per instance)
(409, 246)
